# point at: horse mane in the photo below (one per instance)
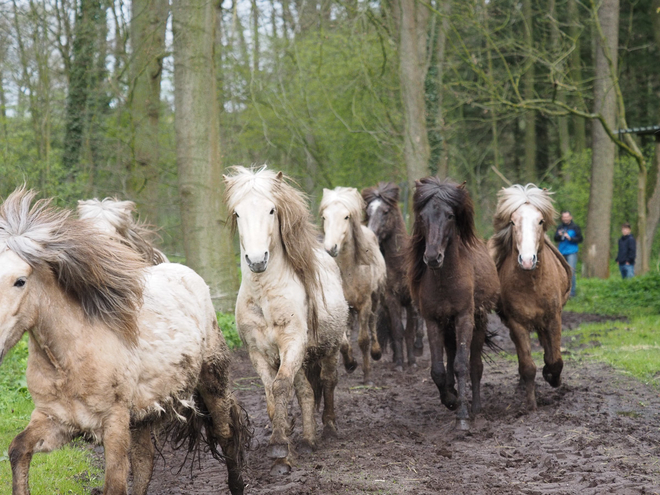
(387, 192)
(103, 275)
(350, 198)
(455, 196)
(298, 233)
(112, 214)
(509, 200)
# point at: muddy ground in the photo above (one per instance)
(599, 432)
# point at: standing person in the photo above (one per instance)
(569, 235)
(627, 252)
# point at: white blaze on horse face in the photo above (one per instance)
(14, 288)
(257, 221)
(372, 209)
(336, 223)
(528, 232)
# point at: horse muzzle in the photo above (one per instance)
(258, 266)
(434, 263)
(527, 264)
(333, 251)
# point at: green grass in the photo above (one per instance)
(68, 470)
(227, 324)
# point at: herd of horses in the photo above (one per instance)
(124, 344)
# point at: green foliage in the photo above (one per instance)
(227, 324)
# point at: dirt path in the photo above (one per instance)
(597, 433)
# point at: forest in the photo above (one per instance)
(152, 100)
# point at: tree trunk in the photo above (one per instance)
(444, 6)
(574, 28)
(562, 122)
(208, 246)
(653, 204)
(597, 244)
(528, 94)
(413, 25)
(148, 23)
(255, 36)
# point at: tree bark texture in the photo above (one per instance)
(413, 30)
(444, 6)
(528, 94)
(562, 122)
(597, 243)
(207, 244)
(574, 30)
(148, 23)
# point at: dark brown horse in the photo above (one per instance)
(386, 221)
(454, 282)
(535, 279)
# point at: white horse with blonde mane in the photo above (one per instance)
(117, 346)
(362, 266)
(115, 218)
(291, 312)
(535, 280)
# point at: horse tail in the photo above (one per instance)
(313, 374)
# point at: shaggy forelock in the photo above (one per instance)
(510, 200)
(388, 192)
(348, 197)
(104, 276)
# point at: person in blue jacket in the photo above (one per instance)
(569, 235)
(627, 252)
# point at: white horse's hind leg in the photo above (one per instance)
(329, 381)
(116, 445)
(142, 458)
(305, 396)
(42, 434)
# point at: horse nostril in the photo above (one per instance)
(247, 258)
(520, 260)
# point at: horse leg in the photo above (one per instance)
(450, 349)
(410, 334)
(376, 351)
(438, 374)
(526, 367)
(142, 458)
(363, 340)
(329, 382)
(411, 312)
(228, 424)
(116, 446)
(550, 338)
(464, 331)
(305, 395)
(394, 309)
(476, 363)
(42, 434)
(346, 349)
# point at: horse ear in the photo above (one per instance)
(279, 176)
(225, 178)
(462, 186)
(418, 183)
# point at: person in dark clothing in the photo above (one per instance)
(569, 235)
(627, 252)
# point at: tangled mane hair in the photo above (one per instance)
(458, 199)
(297, 232)
(387, 192)
(103, 275)
(510, 199)
(116, 217)
(350, 198)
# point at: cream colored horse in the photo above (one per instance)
(362, 266)
(291, 312)
(117, 346)
(115, 218)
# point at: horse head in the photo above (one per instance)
(382, 209)
(527, 223)
(341, 211)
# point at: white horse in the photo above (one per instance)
(290, 312)
(115, 218)
(360, 261)
(117, 346)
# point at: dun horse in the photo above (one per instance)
(454, 282)
(115, 218)
(534, 277)
(116, 346)
(362, 266)
(384, 219)
(291, 312)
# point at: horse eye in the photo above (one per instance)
(346, 217)
(541, 222)
(236, 214)
(450, 217)
(272, 211)
(19, 282)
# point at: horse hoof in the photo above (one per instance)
(463, 424)
(399, 368)
(280, 468)
(278, 451)
(368, 382)
(306, 447)
(350, 367)
(418, 351)
(329, 431)
(376, 355)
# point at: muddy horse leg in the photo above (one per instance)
(550, 338)
(42, 434)
(410, 334)
(305, 395)
(476, 362)
(464, 332)
(417, 328)
(394, 310)
(142, 458)
(329, 381)
(364, 340)
(376, 351)
(346, 348)
(450, 349)
(526, 367)
(116, 446)
(438, 374)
